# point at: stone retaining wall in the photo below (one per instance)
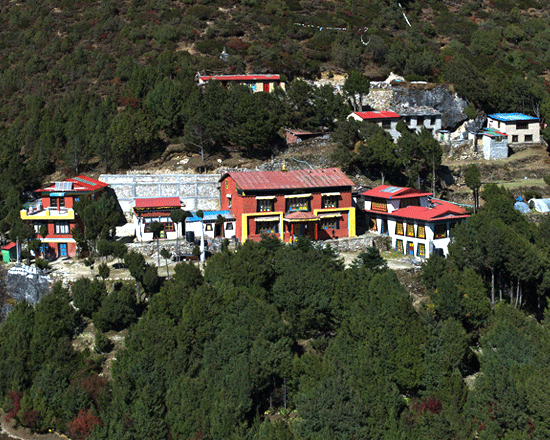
(196, 191)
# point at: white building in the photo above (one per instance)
(417, 225)
(386, 119)
(495, 144)
(213, 225)
(157, 209)
(520, 128)
(417, 118)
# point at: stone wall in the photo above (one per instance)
(196, 191)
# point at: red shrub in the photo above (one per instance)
(30, 418)
(14, 404)
(83, 423)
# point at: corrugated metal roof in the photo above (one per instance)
(301, 216)
(241, 77)
(158, 202)
(491, 132)
(8, 246)
(77, 184)
(284, 180)
(377, 115)
(511, 117)
(209, 215)
(394, 192)
(438, 210)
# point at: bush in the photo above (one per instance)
(102, 343)
(41, 264)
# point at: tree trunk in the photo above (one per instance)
(383, 177)
(493, 287)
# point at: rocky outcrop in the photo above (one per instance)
(440, 97)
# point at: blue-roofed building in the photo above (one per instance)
(212, 228)
(520, 128)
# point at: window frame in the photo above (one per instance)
(62, 228)
(440, 234)
(423, 247)
(399, 246)
(399, 228)
(409, 231)
(263, 227)
(298, 204)
(421, 231)
(265, 205)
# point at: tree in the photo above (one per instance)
(156, 228)
(178, 216)
(355, 87)
(135, 262)
(165, 253)
(472, 177)
(104, 271)
(87, 295)
(379, 152)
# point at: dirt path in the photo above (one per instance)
(9, 432)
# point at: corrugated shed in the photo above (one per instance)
(286, 180)
(158, 202)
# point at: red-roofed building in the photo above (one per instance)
(258, 83)
(386, 119)
(417, 224)
(55, 210)
(156, 209)
(287, 204)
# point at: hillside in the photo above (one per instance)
(103, 85)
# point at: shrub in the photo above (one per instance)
(83, 423)
(42, 264)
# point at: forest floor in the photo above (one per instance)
(8, 431)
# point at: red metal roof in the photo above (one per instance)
(394, 192)
(285, 180)
(158, 202)
(377, 115)
(241, 77)
(79, 184)
(438, 210)
(9, 246)
(298, 215)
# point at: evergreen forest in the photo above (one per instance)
(277, 341)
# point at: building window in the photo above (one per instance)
(410, 230)
(330, 223)
(386, 125)
(522, 125)
(226, 183)
(330, 202)
(229, 226)
(514, 138)
(53, 202)
(267, 227)
(379, 205)
(399, 228)
(440, 231)
(62, 228)
(414, 201)
(432, 120)
(399, 246)
(298, 204)
(528, 138)
(208, 227)
(410, 248)
(421, 231)
(168, 227)
(37, 226)
(265, 205)
(420, 120)
(421, 250)
(229, 200)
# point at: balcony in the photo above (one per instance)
(36, 211)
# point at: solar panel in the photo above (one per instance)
(63, 186)
(390, 189)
